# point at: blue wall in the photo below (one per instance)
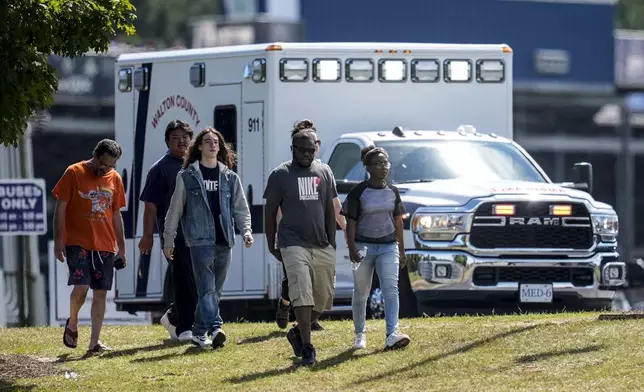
(584, 30)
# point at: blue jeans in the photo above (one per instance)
(210, 265)
(385, 259)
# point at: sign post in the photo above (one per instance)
(23, 212)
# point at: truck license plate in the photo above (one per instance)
(535, 292)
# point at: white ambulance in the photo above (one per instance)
(397, 95)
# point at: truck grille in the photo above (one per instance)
(537, 231)
(490, 276)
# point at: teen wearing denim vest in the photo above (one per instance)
(374, 223)
(208, 199)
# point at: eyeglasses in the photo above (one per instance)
(384, 165)
(304, 150)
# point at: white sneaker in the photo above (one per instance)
(396, 340)
(185, 336)
(360, 341)
(172, 330)
(218, 338)
(201, 341)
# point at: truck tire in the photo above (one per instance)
(408, 303)
(376, 301)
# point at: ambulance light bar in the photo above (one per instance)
(141, 79)
(198, 74)
(490, 71)
(458, 71)
(256, 70)
(125, 80)
(294, 70)
(426, 71)
(259, 70)
(392, 70)
(326, 70)
(359, 70)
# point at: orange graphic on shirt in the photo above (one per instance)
(91, 203)
(101, 199)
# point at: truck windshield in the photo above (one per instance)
(426, 161)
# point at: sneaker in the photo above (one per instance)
(282, 314)
(201, 341)
(218, 338)
(172, 330)
(396, 340)
(295, 339)
(360, 340)
(308, 355)
(100, 347)
(185, 336)
(315, 326)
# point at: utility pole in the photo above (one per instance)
(627, 186)
(34, 284)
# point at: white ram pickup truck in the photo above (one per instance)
(488, 228)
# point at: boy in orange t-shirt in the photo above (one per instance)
(88, 233)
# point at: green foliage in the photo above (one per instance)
(34, 29)
(630, 15)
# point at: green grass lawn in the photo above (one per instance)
(561, 352)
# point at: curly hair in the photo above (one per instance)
(109, 147)
(368, 153)
(226, 155)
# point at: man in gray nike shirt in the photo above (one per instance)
(304, 190)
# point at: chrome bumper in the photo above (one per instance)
(425, 267)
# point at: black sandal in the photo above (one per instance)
(70, 336)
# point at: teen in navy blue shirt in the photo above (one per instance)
(156, 194)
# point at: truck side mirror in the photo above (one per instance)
(582, 176)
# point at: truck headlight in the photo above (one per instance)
(440, 226)
(606, 226)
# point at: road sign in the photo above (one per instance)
(23, 206)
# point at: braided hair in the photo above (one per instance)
(303, 126)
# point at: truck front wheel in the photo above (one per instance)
(407, 300)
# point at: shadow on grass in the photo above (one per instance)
(191, 350)
(69, 358)
(550, 354)
(168, 343)
(459, 350)
(344, 356)
(265, 338)
(9, 385)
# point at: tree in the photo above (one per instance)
(630, 14)
(32, 30)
